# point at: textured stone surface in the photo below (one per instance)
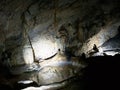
(75, 23)
(99, 39)
(33, 30)
(54, 70)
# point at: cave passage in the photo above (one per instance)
(59, 44)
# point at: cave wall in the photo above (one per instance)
(71, 25)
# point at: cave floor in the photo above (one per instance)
(102, 72)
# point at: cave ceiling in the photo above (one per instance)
(70, 22)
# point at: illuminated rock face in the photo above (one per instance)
(76, 23)
(99, 39)
(43, 42)
(73, 26)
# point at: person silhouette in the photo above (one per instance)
(95, 48)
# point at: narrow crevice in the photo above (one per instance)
(25, 27)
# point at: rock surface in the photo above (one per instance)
(35, 30)
(70, 25)
(50, 71)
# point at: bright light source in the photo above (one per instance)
(47, 87)
(25, 81)
(112, 53)
(100, 50)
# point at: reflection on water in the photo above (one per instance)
(50, 74)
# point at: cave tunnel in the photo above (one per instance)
(59, 44)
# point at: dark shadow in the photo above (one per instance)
(102, 73)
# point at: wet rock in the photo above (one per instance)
(54, 70)
(24, 84)
(44, 26)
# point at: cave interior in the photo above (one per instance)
(59, 44)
